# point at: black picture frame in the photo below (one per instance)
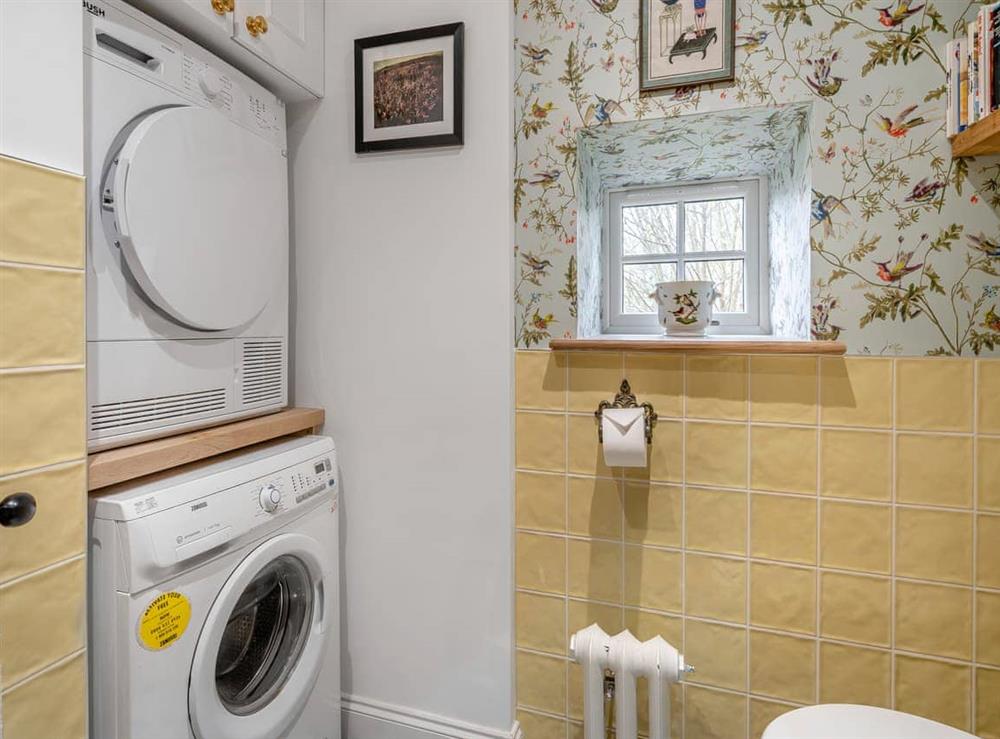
(456, 137)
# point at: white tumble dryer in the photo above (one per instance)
(213, 600)
(187, 269)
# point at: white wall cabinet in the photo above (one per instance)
(279, 42)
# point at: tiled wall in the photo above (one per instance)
(808, 530)
(42, 451)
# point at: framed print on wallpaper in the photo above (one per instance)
(408, 89)
(685, 42)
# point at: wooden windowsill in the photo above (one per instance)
(699, 345)
(138, 460)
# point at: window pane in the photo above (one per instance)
(649, 229)
(727, 274)
(713, 225)
(639, 281)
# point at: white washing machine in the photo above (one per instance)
(214, 600)
(187, 261)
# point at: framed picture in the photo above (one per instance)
(685, 42)
(408, 89)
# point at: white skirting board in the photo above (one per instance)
(364, 718)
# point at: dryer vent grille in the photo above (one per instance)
(161, 410)
(263, 371)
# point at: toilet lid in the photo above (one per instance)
(843, 721)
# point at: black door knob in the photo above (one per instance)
(17, 509)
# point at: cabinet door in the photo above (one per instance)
(218, 14)
(287, 34)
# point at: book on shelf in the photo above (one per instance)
(972, 62)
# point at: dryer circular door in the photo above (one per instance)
(199, 209)
(260, 651)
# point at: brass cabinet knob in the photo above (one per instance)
(223, 6)
(256, 25)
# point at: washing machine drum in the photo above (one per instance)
(198, 206)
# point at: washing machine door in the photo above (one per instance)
(199, 208)
(261, 648)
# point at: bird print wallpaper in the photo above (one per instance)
(904, 240)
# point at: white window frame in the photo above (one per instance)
(755, 320)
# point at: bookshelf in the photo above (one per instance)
(982, 137)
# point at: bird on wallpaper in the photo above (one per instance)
(823, 207)
(987, 246)
(602, 110)
(752, 41)
(897, 16)
(537, 266)
(604, 6)
(542, 322)
(896, 269)
(534, 53)
(924, 191)
(545, 177)
(823, 81)
(541, 111)
(991, 320)
(899, 126)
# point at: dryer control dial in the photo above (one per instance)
(269, 498)
(210, 82)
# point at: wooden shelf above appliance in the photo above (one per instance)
(982, 137)
(700, 345)
(138, 460)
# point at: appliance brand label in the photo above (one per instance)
(94, 9)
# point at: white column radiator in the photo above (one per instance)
(628, 658)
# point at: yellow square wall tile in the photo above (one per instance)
(652, 578)
(763, 712)
(934, 394)
(783, 459)
(540, 380)
(583, 613)
(53, 704)
(541, 501)
(657, 379)
(541, 441)
(41, 316)
(541, 622)
(783, 528)
(988, 551)
(541, 682)
(934, 470)
(855, 464)
(988, 473)
(709, 714)
(988, 396)
(987, 703)
(595, 570)
(783, 389)
(540, 562)
(666, 458)
(41, 215)
(934, 545)
(585, 454)
(715, 588)
(716, 454)
(988, 629)
(856, 391)
(717, 387)
(935, 690)
(644, 625)
(595, 508)
(716, 520)
(540, 726)
(854, 675)
(43, 418)
(855, 536)
(593, 377)
(934, 619)
(855, 608)
(653, 514)
(676, 709)
(719, 652)
(42, 618)
(61, 493)
(783, 666)
(783, 597)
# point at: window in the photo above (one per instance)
(714, 231)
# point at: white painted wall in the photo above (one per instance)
(402, 328)
(41, 82)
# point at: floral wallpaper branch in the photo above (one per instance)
(905, 254)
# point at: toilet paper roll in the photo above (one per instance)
(624, 431)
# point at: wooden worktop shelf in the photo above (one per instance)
(130, 462)
(699, 345)
(982, 137)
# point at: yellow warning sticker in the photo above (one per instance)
(164, 620)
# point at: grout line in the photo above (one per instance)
(746, 552)
(894, 514)
(565, 594)
(42, 570)
(818, 665)
(39, 368)
(975, 545)
(55, 664)
(41, 267)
